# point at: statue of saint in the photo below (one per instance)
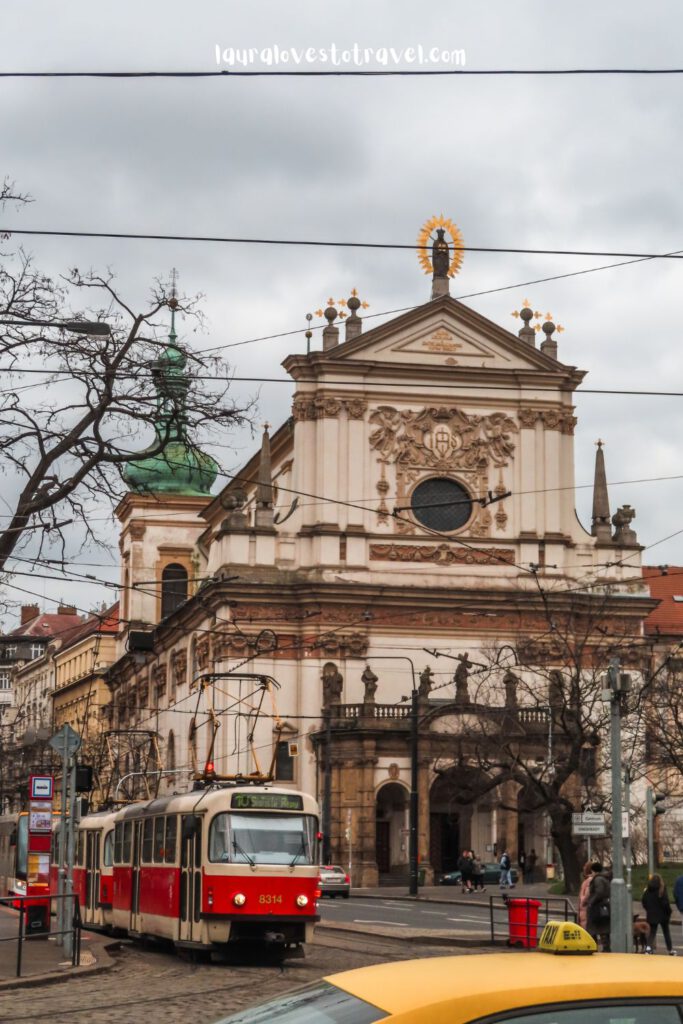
(369, 680)
(425, 686)
(441, 257)
(333, 683)
(462, 673)
(510, 682)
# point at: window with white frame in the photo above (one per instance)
(5, 680)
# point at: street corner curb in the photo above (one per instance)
(102, 961)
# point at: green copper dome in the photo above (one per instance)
(180, 468)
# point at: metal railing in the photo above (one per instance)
(33, 922)
(522, 923)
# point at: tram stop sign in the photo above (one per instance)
(66, 742)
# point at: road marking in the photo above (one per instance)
(472, 920)
(394, 924)
(436, 913)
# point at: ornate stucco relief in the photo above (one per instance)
(326, 406)
(552, 419)
(441, 554)
(441, 440)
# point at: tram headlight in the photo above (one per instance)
(302, 901)
(239, 899)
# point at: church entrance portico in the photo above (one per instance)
(461, 817)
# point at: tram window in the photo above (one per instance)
(127, 837)
(159, 840)
(118, 842)
(171, 832)
(107, 858)
(22, 846)
(148, 840)
(264, 838)
(80, 853)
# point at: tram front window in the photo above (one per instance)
(263, 838)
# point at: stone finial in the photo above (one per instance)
(624, 535)
(369, 680)
(309, 333)
(233, 502)
(441, 261)
(549, 346)
(526, 314)
(264, 490)
(354, 324)
(462, 673)
(331, 332)
(600, 521)
(426, 676)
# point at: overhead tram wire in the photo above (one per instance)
(354, 73)
(324, 244)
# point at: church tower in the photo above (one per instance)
(169, 486)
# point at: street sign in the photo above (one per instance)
(66, 742)
(588, 828)
(40, 787)
(590, 823)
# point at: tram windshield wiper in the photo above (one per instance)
(237, 848)
(302, 849)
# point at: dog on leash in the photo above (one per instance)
(641, 934)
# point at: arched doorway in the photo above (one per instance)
(391, 811)
(460, 804)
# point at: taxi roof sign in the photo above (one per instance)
(566, 938)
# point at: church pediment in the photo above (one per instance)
(444, 332)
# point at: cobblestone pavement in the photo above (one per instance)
(146, 985)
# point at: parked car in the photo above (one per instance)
(334, 881)
(491, 876)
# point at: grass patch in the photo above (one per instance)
(639, 877)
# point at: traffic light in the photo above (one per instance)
(657, 802)
(84, 777)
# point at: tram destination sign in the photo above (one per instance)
(267, 802)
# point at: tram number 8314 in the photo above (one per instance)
(270, 898)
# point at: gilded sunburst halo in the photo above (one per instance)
(425, 240)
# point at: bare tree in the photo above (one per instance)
(536, 724)
(76, 408)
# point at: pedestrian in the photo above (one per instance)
(465, 867)
(678, 895)
(598, 918)
(521, 862)
(583, 894)
(505, 866)
(657, 913)
(531, 865)
(477, 873)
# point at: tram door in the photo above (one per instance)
(190, 877)
(135, 877)
(92, 876)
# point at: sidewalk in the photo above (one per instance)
(42, 960)
(454, 894)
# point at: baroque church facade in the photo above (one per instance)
(386, 538)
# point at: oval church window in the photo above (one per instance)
(441, 504)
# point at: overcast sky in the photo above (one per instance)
(568, 163)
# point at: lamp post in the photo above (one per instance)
(618, 685)
(94, 327)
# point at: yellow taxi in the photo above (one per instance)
(570, 986)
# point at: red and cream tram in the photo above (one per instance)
(207, 869)
(13, 854)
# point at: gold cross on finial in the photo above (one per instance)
(266, 425)
(599, 442)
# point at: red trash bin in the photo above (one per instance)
(523, 922)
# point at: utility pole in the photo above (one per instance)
(652, 809)
(327, 789)
(66, 742)
(628, 855)
(619, 684)
(414, 808)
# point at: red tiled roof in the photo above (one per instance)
(47, 625)
(667, 617)
(106, 622)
